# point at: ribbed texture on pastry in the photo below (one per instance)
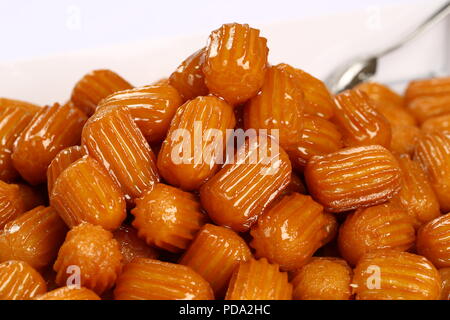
(147, 279)
(68, 293)
(384, 226)
(189, 79)
(235, 62)
(428, 98)
(318, 100)
(214, 254)
(152, 108)
(34, 237)
(279, 105)
(200, 156)
(115, 141)
(416, 194)
(95, 86)
(318, 137)
(95, 252)
(51, 130)
(433, 241)
(433, 153)
(60, 163)
(19, 281)
(290, 232)
(394, 275)
(359, 122)
(168, 218)
(259, 280)
(13, 120)
(353, 177)
(85, 193)
(239, 193)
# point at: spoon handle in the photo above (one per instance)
(436, 17)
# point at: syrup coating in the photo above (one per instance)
(202, 125)
(94, 253)
(353, 178)
(147, 279)
(323, 279)
(188, 78)
(235, 62)
(84, 192)
(95, 86)
(115, 141)
(34, 237)
(168, 218)
(19, 281)
(214, 254)
(359, 122)
(52, 129)
(394, 275)
(15, 116)
(259, 280)
(239, 193)
(151, 107)
(290, 232)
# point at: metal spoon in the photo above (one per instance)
(363, 68)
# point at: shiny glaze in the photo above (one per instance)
(438, 123)
(95, 86)
(131, 246)
(196, 166)
(188, 78)
(95, 252)
(416, 194)
(151, 107)
(433, 153)
(238, 194)
(84, 192)
(16, 199)
(433, 241)
(403, 276)
(290, 231)
(318, 101)
(168, 218)
(214, 254)
(235, 62)
(60, 163)
(445, 278)
(13, 120)
(279, 105)
(53, 129)
(114, 140)
(318, 137)
(19, 281)
(384, 226)
(147, 279)
(404, 130)
(259, 280)
(353, 177)
(34, 237)
(323, 279)
(428, 98)
(68, 293)
(359, 122)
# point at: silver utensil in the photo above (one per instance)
(363, 68)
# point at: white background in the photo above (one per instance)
(31, 28)
(47, 46)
